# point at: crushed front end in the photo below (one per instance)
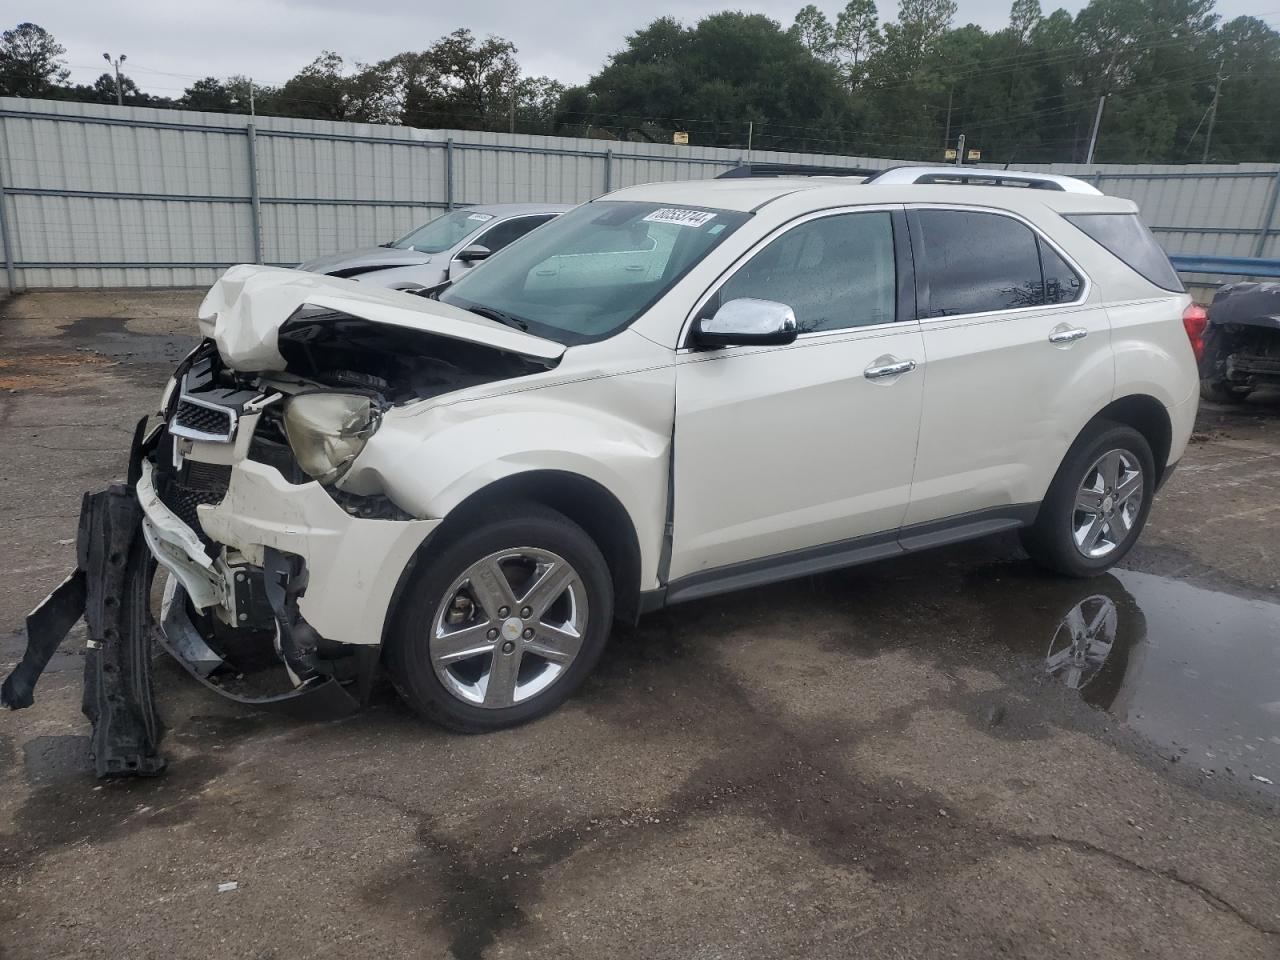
(276, 586)
(1242, 340)
(277, 582)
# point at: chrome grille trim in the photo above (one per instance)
(200, 419)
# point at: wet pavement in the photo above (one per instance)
(949, 754)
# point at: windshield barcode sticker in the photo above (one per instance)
(683, 218)
(482, 217)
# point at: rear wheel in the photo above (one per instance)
(504, 624)
(1097, 503)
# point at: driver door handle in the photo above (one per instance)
(1069, 335)
(879, 370)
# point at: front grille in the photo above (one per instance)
(204, 420)
(195, 483)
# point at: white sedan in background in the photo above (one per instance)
(441, 250)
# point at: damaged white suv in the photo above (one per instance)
(676, 390)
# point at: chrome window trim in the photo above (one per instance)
(188, 433)
(1079, 302)
(727, 274)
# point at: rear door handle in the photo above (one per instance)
(1068, 335)
(893, 368)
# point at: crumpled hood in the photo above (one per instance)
(372, 258)
(243, 312)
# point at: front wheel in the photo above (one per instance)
(504, 624)
(1097, 503)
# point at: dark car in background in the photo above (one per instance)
(1241, 341)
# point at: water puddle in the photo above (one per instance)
(111, 337)
(1195, 672)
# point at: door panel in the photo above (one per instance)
(1005, 392)
(777, 449)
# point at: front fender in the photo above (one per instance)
(614, 430)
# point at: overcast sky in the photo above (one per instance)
(171, 42)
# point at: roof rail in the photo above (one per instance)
(984, 178)
(792, 170)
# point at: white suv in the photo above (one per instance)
(676, 390)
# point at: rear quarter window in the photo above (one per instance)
(1127, 239)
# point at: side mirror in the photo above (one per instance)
(473, 253)
(747, 322)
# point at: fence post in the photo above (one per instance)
(448, 174)
(608, 170)
(1268, 216)
(5, 240)
(255, 201)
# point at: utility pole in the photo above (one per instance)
(1213, 114)
(512, 123)
(946, 137)
(960, 150)
(116, 63)
(1097, 123)
(251, 110)
(750, 130)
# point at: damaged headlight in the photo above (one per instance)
(328, 430)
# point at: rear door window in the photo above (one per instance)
(977, 262)
(1128, 239)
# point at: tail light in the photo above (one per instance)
(1194, 320)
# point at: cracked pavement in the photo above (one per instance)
(874, 763)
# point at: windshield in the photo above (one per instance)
(443, 232)
(592, 271)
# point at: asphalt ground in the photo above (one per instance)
(892, 761)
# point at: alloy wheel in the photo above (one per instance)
(509, 627)
(1108, 504)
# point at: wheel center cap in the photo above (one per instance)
(1107, 504)
(511, 628)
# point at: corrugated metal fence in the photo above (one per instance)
(103, 196)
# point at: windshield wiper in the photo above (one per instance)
(504, 318)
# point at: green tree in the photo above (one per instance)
(1024, 17)
(459, 82)
(856, 35)
(711, 79)
(30, 62)
(207, 94)
(814, 31)
(324, 90)
(104, 89)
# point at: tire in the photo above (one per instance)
(1221, 391)
(1052, 539)
(453, 606)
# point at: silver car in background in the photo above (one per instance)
(440, 250)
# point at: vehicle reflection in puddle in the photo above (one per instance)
(1197, 673)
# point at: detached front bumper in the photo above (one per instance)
(272, 560)
(353, 564)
